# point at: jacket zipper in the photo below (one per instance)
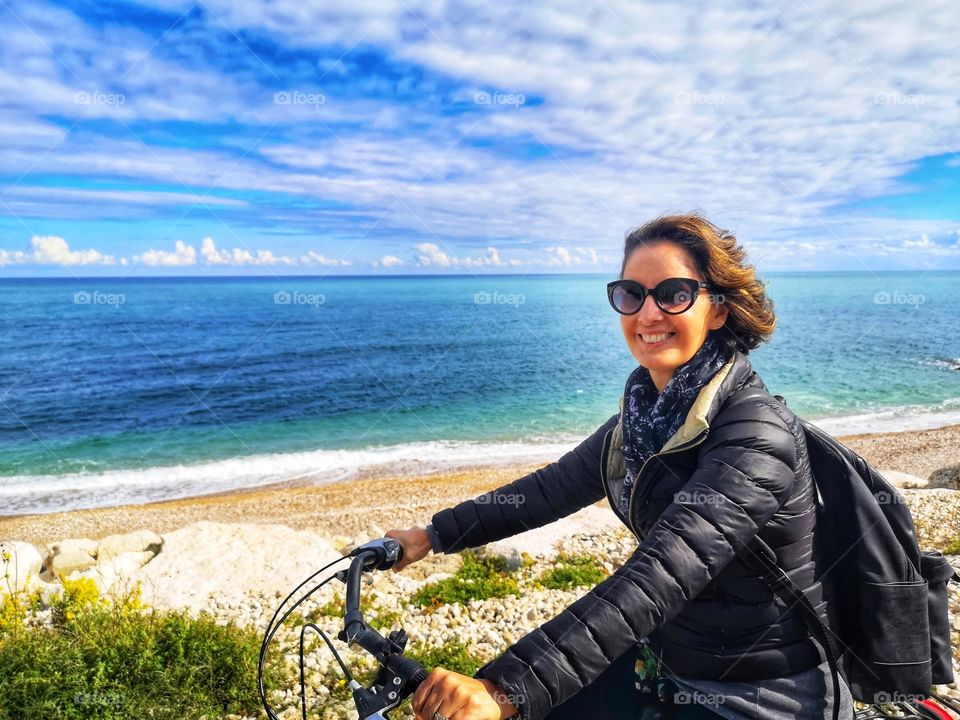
(636, 481)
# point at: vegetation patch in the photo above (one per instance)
(93, 658)
(571, 571)
(481, 577)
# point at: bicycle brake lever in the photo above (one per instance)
(384, 553)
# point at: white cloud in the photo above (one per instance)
(559, 256)
(266, 257)
(211, 256)
(315, 258)
(774, 123)
(53, 250)
(388, 261)
(12, 257)
(182, 254)
(923, 243)
(239, 256)
(431, 254)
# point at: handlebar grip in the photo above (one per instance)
(381, 554)
(418, 676)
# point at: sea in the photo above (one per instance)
(131, 390)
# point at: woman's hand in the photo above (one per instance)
(415, 543)
(458, 697)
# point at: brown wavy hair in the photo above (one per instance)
(723, 264)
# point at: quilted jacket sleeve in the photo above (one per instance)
(543, 496)
(745, 473)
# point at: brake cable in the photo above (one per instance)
(398, 676)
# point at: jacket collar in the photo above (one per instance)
(734, 373)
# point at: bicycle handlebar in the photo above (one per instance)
(398, 676)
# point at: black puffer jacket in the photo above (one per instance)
(738, 464)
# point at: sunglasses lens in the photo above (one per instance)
(623, 301)
(675, 296)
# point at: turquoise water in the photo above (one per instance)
(137, 389)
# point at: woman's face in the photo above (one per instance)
(648, 265)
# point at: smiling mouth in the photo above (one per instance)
(655, 339)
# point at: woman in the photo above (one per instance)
(700, 462)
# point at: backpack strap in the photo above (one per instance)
(787, 590)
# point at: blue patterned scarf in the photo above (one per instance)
(651, 417)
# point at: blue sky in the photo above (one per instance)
(290, 137)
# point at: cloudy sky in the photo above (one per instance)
(365, 136)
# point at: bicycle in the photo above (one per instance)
(397, 678)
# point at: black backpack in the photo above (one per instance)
(888, 629)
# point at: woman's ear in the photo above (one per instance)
(720, 317)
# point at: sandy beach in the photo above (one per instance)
(349, 508)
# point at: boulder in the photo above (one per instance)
(75, 545)
(902, 480)
(946, 477)
(20, 564)
(543, 540)
(124, 568)
(69, 555)
(66, 562)
(135, 542)
(102, 575)
(211, 563)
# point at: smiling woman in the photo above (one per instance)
(699, 463)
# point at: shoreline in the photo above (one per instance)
(383, 500)
(29, 495)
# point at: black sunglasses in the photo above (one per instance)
(673, 295)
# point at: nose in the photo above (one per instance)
(649, 312)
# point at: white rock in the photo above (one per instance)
(102, 575)
(230, 562)
(590, 519)
(71, 554)
(904, 480)
(75, 544)
(139, 541)
(124, 568)
(65, 562)
(20, 564)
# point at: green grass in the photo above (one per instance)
(104, 660)
(952, 547)
(481, 577)
(451, 656)
(573, 571)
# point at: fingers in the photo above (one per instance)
(415, 544)
(418, 701)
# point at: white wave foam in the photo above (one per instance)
(895, 419)
(27, 494)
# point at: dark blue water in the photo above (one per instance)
(120, 390)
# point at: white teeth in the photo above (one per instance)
(656, 338)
